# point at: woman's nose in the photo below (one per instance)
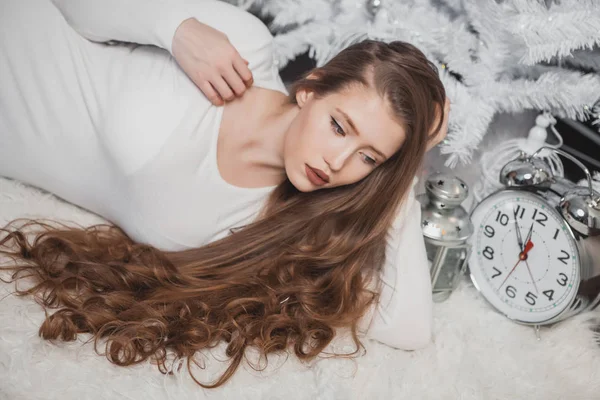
(337, 158)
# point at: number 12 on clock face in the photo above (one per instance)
(525, 259)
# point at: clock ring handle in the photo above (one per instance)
(579, 164)
(581, 211)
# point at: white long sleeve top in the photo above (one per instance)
(121, 131)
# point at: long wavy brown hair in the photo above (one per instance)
(302, 269)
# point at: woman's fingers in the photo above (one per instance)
(443, 131)
(241, 67)
(222, 88)
(446, 117)
(207, 56)
(225, 87)
(444, 128)
(239, 76)
(234, 81)
(211, 93)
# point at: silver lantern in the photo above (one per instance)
(446, 228)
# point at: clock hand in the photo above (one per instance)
(531, 276)
(511, 271)
(518, 230)
(522, 256)
(528, 238)
(528, 246)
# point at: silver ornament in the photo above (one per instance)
(373, 6)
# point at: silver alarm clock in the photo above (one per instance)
(536, 245)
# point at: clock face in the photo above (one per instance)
(528, 270)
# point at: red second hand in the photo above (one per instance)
(511, 271)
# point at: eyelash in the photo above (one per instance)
(337, 128)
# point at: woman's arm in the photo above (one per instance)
(155, 22)
(403, 318)
(152, 22)
(219, 46)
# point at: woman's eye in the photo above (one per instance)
(338, 130)
(369, 160)
(336, 127)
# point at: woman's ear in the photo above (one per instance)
(303, 95)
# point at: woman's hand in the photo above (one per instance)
(211, 61)
(443, 129)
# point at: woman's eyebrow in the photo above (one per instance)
(351, 123)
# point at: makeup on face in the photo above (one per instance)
(361, 136)
(349, 121)
(314, 176)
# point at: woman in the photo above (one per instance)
(267, 221)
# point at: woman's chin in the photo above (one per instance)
(303, 187)
(301, 183)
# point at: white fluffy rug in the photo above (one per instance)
(476, 353)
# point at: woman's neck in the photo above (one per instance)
(254, 126)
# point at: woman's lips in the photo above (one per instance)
(313, 177)
(321, 174)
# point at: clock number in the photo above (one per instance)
(498, 272)
(549, 294)
(556, 234)
(563, 258)
(541, 219)
(488, 253)
(530, 298)
(518, 210)
(502, 218)
(563, 279)
(489, 231)
(511, 291)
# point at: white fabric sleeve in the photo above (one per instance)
(154, 22)
(403, 317)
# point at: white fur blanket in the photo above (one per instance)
(476, 353)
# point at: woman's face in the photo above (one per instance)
(346, 135)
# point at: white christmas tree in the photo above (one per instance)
(493, 56)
